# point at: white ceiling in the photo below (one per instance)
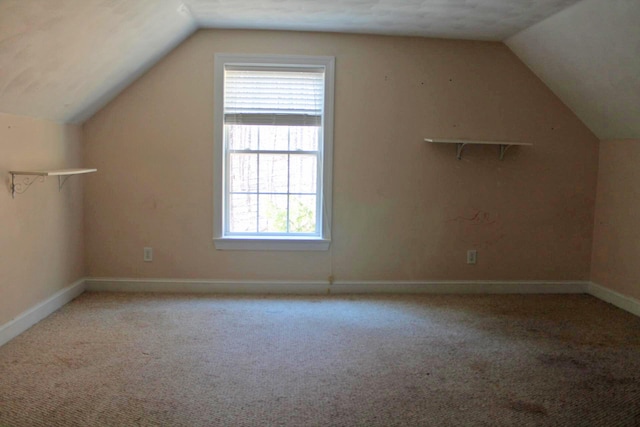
(65, 59)
(458, 19)
(589, 55)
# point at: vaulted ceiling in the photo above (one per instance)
(458, 19)
(64, 59)
(589, 55)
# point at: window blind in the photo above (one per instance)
(267, 96)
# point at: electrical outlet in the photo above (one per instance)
(148, 254)
(472, 256)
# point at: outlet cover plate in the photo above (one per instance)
(148, 254)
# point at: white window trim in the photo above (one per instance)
(288, 243)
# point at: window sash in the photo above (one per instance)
(272, 119)
(318, 191)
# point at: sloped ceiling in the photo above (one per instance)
(457, 19)
(589, 55)
(64, 59)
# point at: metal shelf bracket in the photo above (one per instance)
(461, 143)
(21, 185)
(24, 184)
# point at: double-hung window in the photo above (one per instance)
(273, 148)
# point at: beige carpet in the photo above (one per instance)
(161, 360)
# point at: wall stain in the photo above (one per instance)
(479, 218)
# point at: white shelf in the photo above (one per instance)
(461, 143)
(53, 172)
(62, 174)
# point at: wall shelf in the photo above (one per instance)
(39, 175)
(461, 143)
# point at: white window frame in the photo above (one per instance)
(255, 242)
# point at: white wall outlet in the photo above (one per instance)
(472, 256)
(148, 254)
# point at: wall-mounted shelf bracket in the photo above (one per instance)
(61, 180)
(503, 149)
(21, 185)
(462, 143)
(459, 150)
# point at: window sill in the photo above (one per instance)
(270, 244)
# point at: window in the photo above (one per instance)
(273, 150)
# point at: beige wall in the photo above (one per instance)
(41, 244)
(403, 209)
(616, 232)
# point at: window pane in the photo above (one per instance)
(241, 137)
(273, 213)
(274, 173)
(302, 215)
(274, 138)
(304, 138)
(303, 173)
(243, 172)
(243, 213)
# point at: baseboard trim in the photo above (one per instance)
(28, 318)
(624, 302)
(460, 287)
(339, 287)
(206, 286)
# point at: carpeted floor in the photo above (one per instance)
(433, 360)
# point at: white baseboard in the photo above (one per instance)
(324, 288)
(206, 286)
(459, 287)
(27, 319)
(612, 297)
(32, 316)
